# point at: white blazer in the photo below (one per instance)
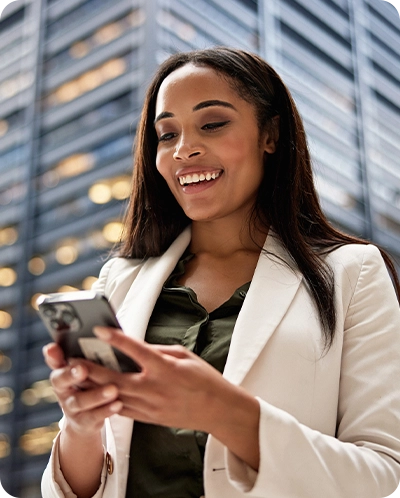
(330, 420)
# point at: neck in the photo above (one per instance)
(223, 239)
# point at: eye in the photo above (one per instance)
(166, 136)
(214, 126)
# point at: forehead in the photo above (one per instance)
(191, 84)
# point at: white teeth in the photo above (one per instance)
(197, 178)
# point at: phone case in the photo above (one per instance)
(70, 318)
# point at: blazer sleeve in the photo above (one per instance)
(53, 484)
(362, 461)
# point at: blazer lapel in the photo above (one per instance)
(272, 289)
(135, 312)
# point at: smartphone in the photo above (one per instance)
(70, 318)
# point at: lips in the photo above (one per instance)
(199, 177)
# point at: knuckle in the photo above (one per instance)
(73, 404)
(60, 378)
(181, 350)
(56, 378)
(53, 376)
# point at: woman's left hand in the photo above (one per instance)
(175, 388)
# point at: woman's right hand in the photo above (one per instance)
(85, 405)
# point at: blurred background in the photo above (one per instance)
(72, 79)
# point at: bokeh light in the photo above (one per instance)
(5, 320)
(8, 277)
(100, 193)
(66, 254)
(88, 282)
(112, 231)
(39, 441)
(37, 265)
(6, 400)
(8, 236)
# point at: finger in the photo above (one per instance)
(81, 401)
(97, 374)
(54, 356)
(144, 354)
(138, 403)
(66, 378)
(176, 351)
(140, 415)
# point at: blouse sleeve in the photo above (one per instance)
(363, 459)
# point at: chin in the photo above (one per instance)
(196, 214)
(197, 217)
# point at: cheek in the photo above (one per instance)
(241, 152)
(233, 149)
(161, 164)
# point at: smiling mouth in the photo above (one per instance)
(198, 178)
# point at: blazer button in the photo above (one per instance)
(109, 464)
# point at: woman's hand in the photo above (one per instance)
(85, 406)
(176, 388)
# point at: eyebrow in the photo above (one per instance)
(197, 107)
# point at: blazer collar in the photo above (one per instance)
(138, 305)
(272, 289)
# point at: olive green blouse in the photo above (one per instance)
(168, 462)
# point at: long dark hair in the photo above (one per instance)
(287, 198)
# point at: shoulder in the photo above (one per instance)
(355, 256)
(117, 273)
(357, 262)
(117, 264)
(361, 271)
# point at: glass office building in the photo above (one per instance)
(341, 60)
(72, 79)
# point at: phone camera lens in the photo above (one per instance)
(55, 325)
(67, 317)
(49, 311)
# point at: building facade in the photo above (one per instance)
(72, 79)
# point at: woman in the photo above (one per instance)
(229, 265)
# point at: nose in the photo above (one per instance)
(187, 148)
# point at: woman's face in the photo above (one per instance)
(210, 150)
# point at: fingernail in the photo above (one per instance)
(76, 371)
(109, 391)
(116, 406)
(102, 333)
